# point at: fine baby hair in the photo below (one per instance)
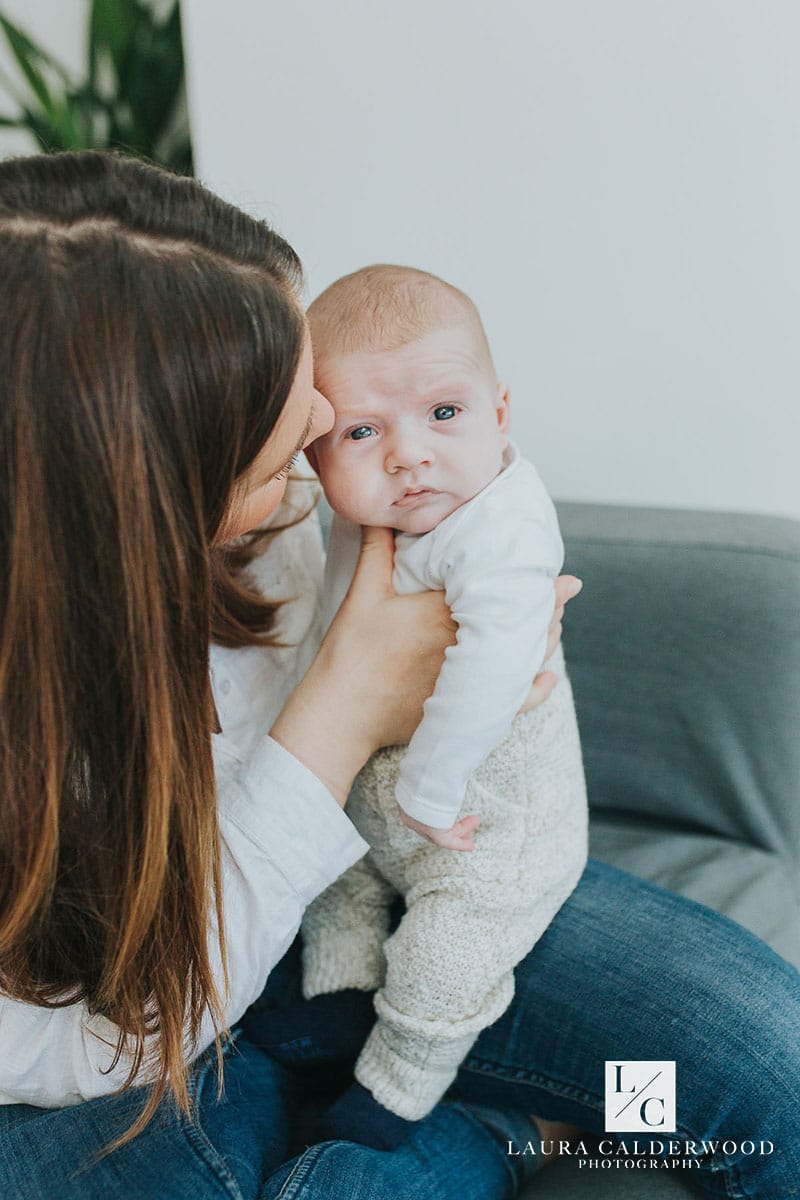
(384, 306)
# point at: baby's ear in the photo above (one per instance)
(502, 406)
(311, 455)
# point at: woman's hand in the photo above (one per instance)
(376, 667)
(567, 588)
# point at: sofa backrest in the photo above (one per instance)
(684, 654)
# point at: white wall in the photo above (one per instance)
(617, 185)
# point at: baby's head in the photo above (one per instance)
(421, 420)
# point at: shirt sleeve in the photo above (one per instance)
(499, 586)
(284, 839)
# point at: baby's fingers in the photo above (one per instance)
(466, 824)
(460, 836)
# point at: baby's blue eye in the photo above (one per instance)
(363, 431)
(445, 412)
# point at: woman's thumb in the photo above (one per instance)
(376, 560)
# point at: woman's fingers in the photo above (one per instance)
(373, 578)
(553, 638)
(541, 688)
(383, 652)
(375, 562)
(566, 588)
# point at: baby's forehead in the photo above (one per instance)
(445, 352)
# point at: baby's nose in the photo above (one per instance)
(408, 450)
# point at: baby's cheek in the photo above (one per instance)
(329, 475)
(341, 489)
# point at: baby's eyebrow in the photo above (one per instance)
(360, 409)
(444, 389)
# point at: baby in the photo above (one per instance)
(420, 444)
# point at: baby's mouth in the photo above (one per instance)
(411, 496)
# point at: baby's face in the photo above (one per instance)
(418, 431)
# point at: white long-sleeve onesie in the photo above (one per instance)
(495, 558)
(446, 972)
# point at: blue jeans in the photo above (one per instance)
(626, 970)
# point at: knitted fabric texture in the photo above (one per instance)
(446, 973)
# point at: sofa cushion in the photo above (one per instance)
(684, 654)
(751, 885)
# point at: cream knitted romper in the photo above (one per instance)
(446, 972)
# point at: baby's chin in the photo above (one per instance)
(415, 521)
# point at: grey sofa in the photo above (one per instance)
(684, 654)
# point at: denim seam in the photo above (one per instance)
(299, 1176)
(196, 1136)
(519, 1075)
(294, 1186)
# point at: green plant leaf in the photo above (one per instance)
(11, 89)
(154, 77)
(130, 96)
(68, 124)
(48, 137)
(178, 156)
(38, 52)
(90, 116)
(21, 48)
(112, 30)
(27, 55)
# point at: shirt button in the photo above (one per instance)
(225, 686)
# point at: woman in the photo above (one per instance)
(157, 384)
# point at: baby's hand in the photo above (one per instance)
(457, 837)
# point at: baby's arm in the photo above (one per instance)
(499, 586)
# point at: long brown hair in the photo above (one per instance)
(149, 338)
